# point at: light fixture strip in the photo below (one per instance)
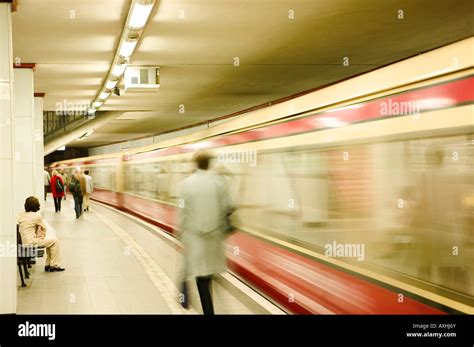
(118, 70)
(104, 95)
(139, 15)
(111, 84)
(127, 48)
(137, 18)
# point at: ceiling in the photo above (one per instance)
(278, 56)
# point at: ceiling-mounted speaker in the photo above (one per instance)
(142, 78)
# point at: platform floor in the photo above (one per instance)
(116, 264)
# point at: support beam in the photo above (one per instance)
(25, 66)
(14, 4)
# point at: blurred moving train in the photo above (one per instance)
(355, 198)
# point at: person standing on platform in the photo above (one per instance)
(47, 180)
(77, 187)
(57, 190)
(89, 189)
(64, 177)
(204, 204)
(82, 182)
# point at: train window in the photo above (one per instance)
(388, 196)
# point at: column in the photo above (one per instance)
(38, 146)
(24, 136)
(8, 269)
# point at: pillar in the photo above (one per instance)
(24, 136)
(38, 146)
(8, 269)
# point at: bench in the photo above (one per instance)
(26, 256)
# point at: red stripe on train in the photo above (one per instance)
(438, 96)
(300, 284)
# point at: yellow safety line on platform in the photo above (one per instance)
(251, 293)
(167, 289)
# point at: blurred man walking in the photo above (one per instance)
(204, 204)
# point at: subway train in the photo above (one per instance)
(357, 198)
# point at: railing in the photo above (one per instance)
(55, 124)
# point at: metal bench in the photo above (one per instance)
(26, 256)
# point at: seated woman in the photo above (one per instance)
(33, 232)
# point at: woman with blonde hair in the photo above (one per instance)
(57, 189)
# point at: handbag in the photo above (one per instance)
(59, 186)
(72, 187)
(184, 295)
(75, 187)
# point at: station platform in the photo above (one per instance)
(118, 264)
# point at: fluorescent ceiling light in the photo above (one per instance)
(111, 84)
(91, 110)
(97, 104)
(62, 148)
(139, 15)
(104, 95)
(119, 69)
(127, 48)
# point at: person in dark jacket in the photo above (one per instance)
(76, 188)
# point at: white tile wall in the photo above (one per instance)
(38, 147)
(8, 267)
(6, 193)
(23, 139)
(24, 179)
(5, 120)
(8, 285)
(23, 93)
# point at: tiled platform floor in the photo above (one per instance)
(114, 264)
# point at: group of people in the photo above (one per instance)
(57, 184)
(80, 186)
(204, 224)
(32, 226)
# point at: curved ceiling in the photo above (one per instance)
(195, 43)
